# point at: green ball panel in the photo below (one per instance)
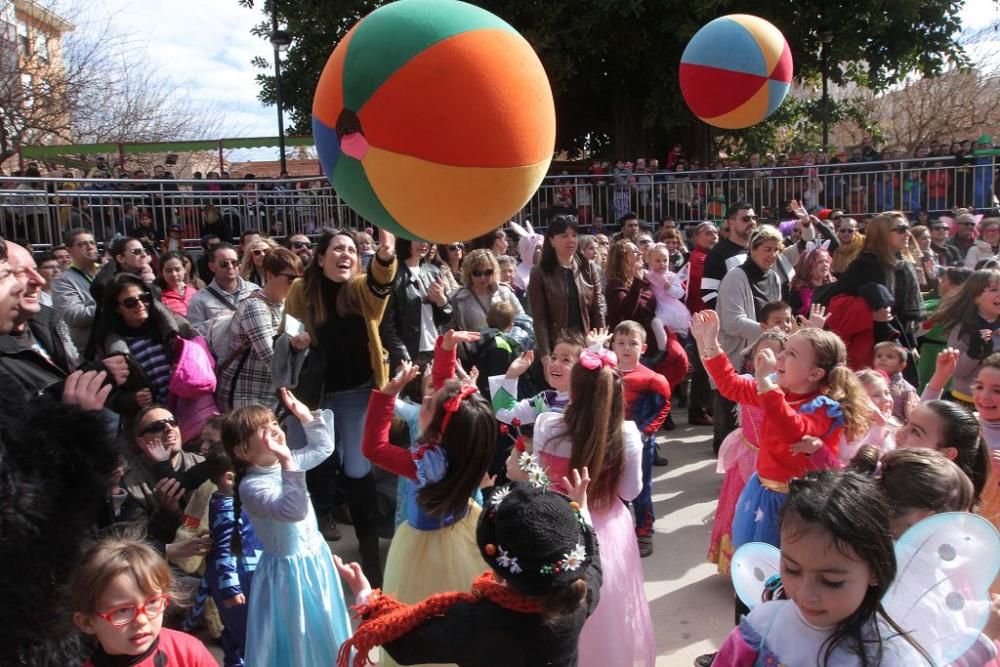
(389, 37)
(351, 183)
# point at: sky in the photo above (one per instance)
(205, 47)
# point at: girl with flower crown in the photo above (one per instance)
(527, 609)
(593, 433)
(435, 550)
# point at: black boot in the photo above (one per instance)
(363, 502)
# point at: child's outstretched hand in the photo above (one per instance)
(817, 317)
(407, 371)
(944, 368)
(599, 337)
(576, 486)
(764, 364)
(295, 406)
(520, 365)
(705, 327)
(352, 575)
(451, 339)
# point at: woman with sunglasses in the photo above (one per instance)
(252, 264)
(176, 292)
(884, 260)
(986, 245)
(449, 256)
(471, 303)
(341, 307)
(245, 374)
(133, 323)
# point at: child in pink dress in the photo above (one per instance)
(593, 434)
(738, 459)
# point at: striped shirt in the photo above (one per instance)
(152, 359)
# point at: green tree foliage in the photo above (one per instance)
(613, 64)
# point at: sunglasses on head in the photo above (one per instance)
(133, 301)
(159, 426)
(487, 273)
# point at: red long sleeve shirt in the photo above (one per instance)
(784, 424)
(375, 443)
(640, 380)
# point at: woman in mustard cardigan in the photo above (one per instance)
(341, 307)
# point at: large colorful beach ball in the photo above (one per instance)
(736, 71)
(434, 119)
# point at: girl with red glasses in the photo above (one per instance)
(119, 594)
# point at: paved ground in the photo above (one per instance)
(692, 605)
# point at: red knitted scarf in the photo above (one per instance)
(389, 619)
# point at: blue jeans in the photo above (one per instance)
(349, 410)
(643, 503)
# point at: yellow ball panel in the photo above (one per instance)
(440, 203)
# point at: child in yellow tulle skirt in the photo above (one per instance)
(435, 550)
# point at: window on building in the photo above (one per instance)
(41, 45)
(27, 83)
(23, 43)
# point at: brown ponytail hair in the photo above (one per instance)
(839, 383)
(593, 422)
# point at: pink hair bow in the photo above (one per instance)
(593, 360)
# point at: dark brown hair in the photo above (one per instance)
(469, 443)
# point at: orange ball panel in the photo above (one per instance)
(440, 203)
(442, 107)
(328, 100)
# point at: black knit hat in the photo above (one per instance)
(535, 539)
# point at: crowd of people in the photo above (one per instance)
(212, 424)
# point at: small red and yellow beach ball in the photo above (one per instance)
(434, 119)
(736, 71)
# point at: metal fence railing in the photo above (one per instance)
(40, 210)
(934, 185)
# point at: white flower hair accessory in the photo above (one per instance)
(528, 463)
(505, 560)
(570, 562)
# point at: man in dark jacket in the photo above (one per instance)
(33, 359)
